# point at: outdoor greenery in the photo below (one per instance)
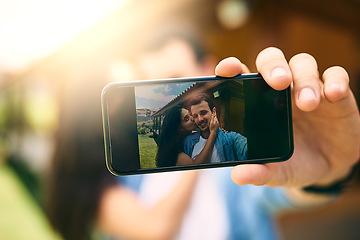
(147, 149)
(21, 217)
(144, 127)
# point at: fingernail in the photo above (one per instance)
(306, 94)
(278, 72)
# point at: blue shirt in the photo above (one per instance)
(249, 209)
(231, 146)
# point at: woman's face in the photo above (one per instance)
(187, 122)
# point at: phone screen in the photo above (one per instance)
(149, 126)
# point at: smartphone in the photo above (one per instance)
(149, 125)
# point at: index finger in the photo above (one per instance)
(274, 68)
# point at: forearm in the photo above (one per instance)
(122, 215)
(318, 194)
(205, 154)
(307, 200)
(203, 157)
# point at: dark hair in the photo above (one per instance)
(198, 98)
(78, 174)
(170, 140)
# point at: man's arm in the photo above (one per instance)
(326, 124)
(240, 146)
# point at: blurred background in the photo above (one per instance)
(50, 50)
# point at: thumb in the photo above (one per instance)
(256, 174)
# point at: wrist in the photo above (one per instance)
(304, 199)
(213, 133)
(332, 189)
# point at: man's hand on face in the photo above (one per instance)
(326, 121)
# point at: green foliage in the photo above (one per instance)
(21, 217)
(144, 127)
(142, 131)
(148, 150)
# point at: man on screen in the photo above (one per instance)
(229, 146)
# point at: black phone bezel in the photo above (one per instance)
(251, 76)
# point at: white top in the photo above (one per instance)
(200, 145)
(206, 217)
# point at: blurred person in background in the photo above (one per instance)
(217, 208)
(79, 180)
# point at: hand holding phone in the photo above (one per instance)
(318, 106)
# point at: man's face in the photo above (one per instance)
(201, 114)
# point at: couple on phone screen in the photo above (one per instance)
(179, 145)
